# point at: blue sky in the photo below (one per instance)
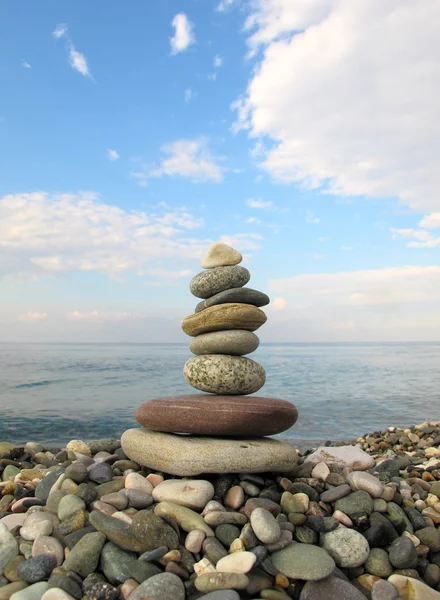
(304, 134)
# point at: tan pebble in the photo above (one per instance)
(415, 540)
(56, 594)
(204, 566)
(154, 479)
(436, 506)
(130, 511)
(172, 555)
(107, 509)
(281, 581)
(427, 476)
(122, 517)
(285, 484)
(234, 497)
(432, 514)
(238, 562)
(343, 518)
(420, 505)
(388, 493)
(422, 550)
(237, 545)
(194, 541)
(31, 474)
(212, 505)
(135, 481)
(321, 471)
(220, 254)
(367, 580)
(431, 500)
(128, 587)
(78, 446)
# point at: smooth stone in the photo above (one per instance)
(225, 375)
(205, 414)
(378, 563)
(135, 481)
(36, 523)
(303, 561)
(115, 563)
(100, 472)
(383, 590)
(48, 546)
(224, 317)
(164, 586)
(56, 593)
(11, 572)
(220, 254)
(117, 531)
(214, 549)
(403, 554)
(69, 505)
(186, 518)
(6, 591)
(218, 517)
(227, 533)
(221, 595)
(342, 456)
(358, 480)
(154, 531)
(77, 472)
(265, 526)
(356, 502)
(32, 592)
(44, 487)
(332, 588)
(194, 493)
(8, 547)
(231, 341)
(238, 562)
(243, 295)
(36, 569)
(190, 456)
(78, 446)
(335, 493)
(210, 582)
(347, 547)
(13, 520)
(218, 279)
(84, 556)
(429, 536)
(413, 589)
(5, 448)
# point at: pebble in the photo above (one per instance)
(265, 526)
(205, 414)
(35, 524)
(31, 592)
(224, 375)
(221, 595)
(332, 588)
(210, 582)
(194, 541)
(359, 480)
(303, 561)
(225, 317)
(347, 547)
(335, 493)
(220, 254)
(7, 590)
(135, 481)
(354, 503)
(378, 563)
(12, 521)
(8, 547)
(403, 554)
(234, 497)
(342, 456)
(68, 506)
(239, 562)
(412, 589)
(243, 295)
(78, 446)
(164, 586)
(185, 517)
(48, 546)
(36, 569)
(179, 455)
(84, 556)
(100, 472)
(383, 590)
(194, 493)
(56, 594)
(320, 471)
(218, 279)
(231, 341)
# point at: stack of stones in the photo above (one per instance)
(226, 428)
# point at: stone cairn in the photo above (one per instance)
(225, 428)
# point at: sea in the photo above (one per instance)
(52, 393)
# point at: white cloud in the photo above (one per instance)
(49, 235)
(225, 5)
(60, 31)
(257, 203)
(183, 33)
(189, 94)
(346, 248)
(78, 61)
(190, 159)
(26, 65)
(365, 74)
(243, 241)
(421, 238)
(218, 61)
(112, 154)
(253, 220)
(391, 304)
(322, 239)
(312, 218)
(431, 221)
(100, 316)
(33, 317)
(279, 303)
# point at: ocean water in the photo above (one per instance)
(56, 392)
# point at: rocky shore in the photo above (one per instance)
(345, 521)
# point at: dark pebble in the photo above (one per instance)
(403, 554)
(36, 569)
(67, 584)
(100, 473)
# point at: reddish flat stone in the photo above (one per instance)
(207, 414)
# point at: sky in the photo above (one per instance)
(305, 133)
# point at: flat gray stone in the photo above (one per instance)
(218, 279)
(84, 556)
(347, 547)
(191, 455)
(303, 561)
(164, 586)
(224, 375)
(8, 547)
(232, 341)
(332, 588)
(244, 294)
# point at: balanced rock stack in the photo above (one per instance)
(226, 429)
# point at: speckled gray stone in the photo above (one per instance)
(303, 561)
(193, 455)
(244, 294)
(164, 586)
(218, 279)
(224, 374)
(232, 341)
(224, 317)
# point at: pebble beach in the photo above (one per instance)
(349, 520)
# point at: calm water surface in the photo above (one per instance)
(57, 392)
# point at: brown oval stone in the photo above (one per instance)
(224, 316)
(218, 415)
